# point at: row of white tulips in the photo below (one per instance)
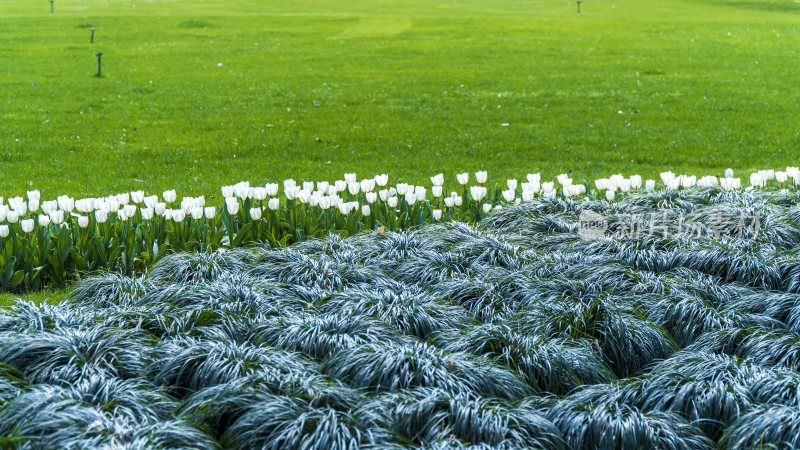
(327, 195)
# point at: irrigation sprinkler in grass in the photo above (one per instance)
(51, 6)
(91, 38)
(98, 54)
(579, 6)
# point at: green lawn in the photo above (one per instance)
(311, 89)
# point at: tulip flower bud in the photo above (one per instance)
(3, 230)
(509, 195)
(272, 189)
(382, 180)
(255, 213)
(44, 220)
(350, 178)
(232, 205)
(168, 214)
(486, 208)
(402, 189)
(33, 205)
(210, 212)
(436, 191)
(458, 201)
(178, 215)
(353, 188)
(160, 208)
(122, 215)
(367, 185)
(437, 180)
(781, 177)
(27, 225)
(420, 192)
(344, 208)
(101, 216)
(729, 173)
(57, 217)
(437, 214)
(462, 178)
(511, 184)
(147, 213)
(196, 212)
(383, 194)
(410, 198)
(609, 195)
(170, 196)
(137, 196)
(480, 177)
(83, 221)
(12, 217)
(371, 197)
(3, 212)
(47, 206)
(365, 210)
(34, 195)
(449, 202)
(227, 191)
(273, 204)
(392, 202)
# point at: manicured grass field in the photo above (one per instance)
(197, 94)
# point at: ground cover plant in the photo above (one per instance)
(664, 319)
(196, 94)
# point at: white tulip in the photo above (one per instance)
(303, 196)
(509, 195)
(168, 214)
(729, 173)
(609, 195)
(325, 202)
(755, 179)
(350, 178)
(227, 191)
(47, 206)
(477, 192)
(781, 177)
(122, 215)
(511, 184)
(210, 212)
(3, 230)
(147, 213)
(340, 185)
(27, 225)
(402, 188)
(123, 199)
(3, 212)
(272, 189)
(196, 212)
(564, 179)
(420, 193)
(463, 178)
(371, 197)
(383, 194)
(367, 185)
(12, 217)
(289, 184)
(34, 195)
(602, 184)
(33, 205)
(170, 196)
(259, 193)
(392, 192)
(666, 177)
(548, 187)
(255, 213)
(449, 202)
(160, 208)
(232, 205)
(458, 201)
(382, 179)
(437, 214)
(178, 215)
(365, 210)
(392, 202)
(83, 221)
(137, 196)
(636, 181)
(344, 208)
(437, 180)
(308, 185)
(534, 178)
(410, 198)
(480, 177)
(486, 208)
(44, 220)
(353, 188)
(436, 191)
(57, 217)
(273, 204)
(650, 185)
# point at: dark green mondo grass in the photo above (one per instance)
(515, 333)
